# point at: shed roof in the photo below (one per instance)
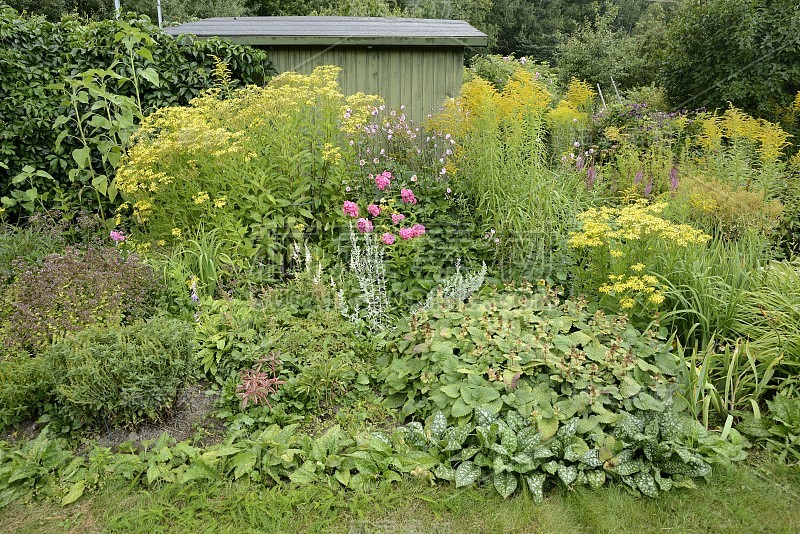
(331, 31)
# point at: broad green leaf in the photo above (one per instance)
(467, 473)
(505, 483)
(74, 493)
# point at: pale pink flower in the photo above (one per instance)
(418, 230)
(397, 218)
(387, 238)
(373, 210)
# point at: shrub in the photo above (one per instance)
(71, 291)
(595, 52)
(26, 386)
(37, 54)
(122, 375)
(709, 44)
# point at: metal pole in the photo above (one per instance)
(116, 9)
(158, 8)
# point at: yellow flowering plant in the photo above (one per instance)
(256, 163)
(614, 247)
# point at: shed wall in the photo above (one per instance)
(416, 77)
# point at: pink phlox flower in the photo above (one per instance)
(373, 210)
(364, 226)
(117, 236)
(406, 233)
(383, 180)
(418, 230)
(350, 208)
(397, 218)
(387, 238)
(407, 195)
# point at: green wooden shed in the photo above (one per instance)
(413, 62)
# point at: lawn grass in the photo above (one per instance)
(758, 496)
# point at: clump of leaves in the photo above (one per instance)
(524, 350)
(257, 385)
(648, 450)
(779, 432)
(72, 290)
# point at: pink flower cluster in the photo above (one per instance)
(117, 236)
(410, 233)
(407, 195)
(364, 226)
(387, 238)
(383, 180)
(350, 208)
(397, 218)
(373, 210)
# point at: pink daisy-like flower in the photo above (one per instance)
(387, 238)
(364, 226)
(407, 195)
(373, 210)
(350, 208)
(397, 218)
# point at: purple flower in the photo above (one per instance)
(591, 175)
(639, 177)
(673, 178)
(648, 188)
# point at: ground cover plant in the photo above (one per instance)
(533, 293)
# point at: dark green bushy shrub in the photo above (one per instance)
(122, 375)
(71, 291)
(739, 51)
(26, 385)
(34, 54)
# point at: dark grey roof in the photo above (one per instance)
(336, 31)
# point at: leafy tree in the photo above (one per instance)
(742, 51)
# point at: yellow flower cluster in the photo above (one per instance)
(606, 225)
(331, 154)
(626, 287)
(580, 95)
(522, 96)
(736, 126)
(201, 197)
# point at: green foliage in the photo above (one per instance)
(123, 375)
(37, 57)
(650, 450)
(23, 246)
(323, 366)
(598, 54)
(523, 351)
(73, 290)
(779, 432)
(26, 386)
(739, 51)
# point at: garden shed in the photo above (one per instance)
(413, 62)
